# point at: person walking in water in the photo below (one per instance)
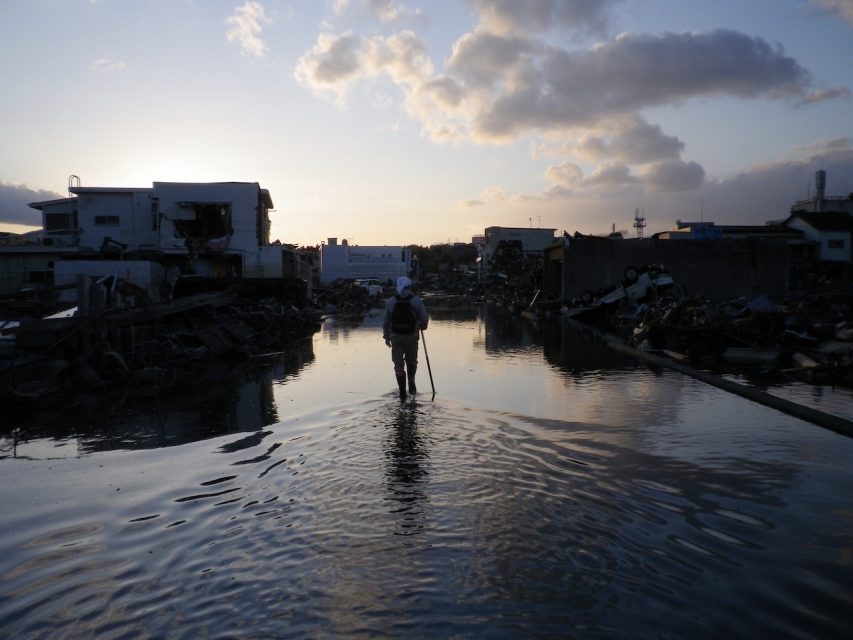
(405, 317)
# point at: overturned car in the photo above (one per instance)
(637, 286)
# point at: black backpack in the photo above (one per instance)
(403, 316)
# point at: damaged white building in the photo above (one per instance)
(149, 236)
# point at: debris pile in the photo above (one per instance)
(56, 358)
(811, 340)
(347, 298)
(520, 291)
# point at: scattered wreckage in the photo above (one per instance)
(613, 307)
(371, 285)
(110, 340)
(811, 341)
(351, 299)
(637, 286)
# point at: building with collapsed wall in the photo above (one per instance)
(149, 236)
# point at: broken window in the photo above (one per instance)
(212, 220)
(60, 221)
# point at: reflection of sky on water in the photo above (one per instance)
(407, 472)
(215, 399)
(484, 359)
(549, 488)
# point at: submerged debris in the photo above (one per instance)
(54, 358)
(811, 340)
(351, 298)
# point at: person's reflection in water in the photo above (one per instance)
(407, 470)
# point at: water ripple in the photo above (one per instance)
(437, 519)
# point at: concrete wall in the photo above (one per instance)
(719, 269)
(333, 262)
(841, 252)
(134, 224)
(268, 262)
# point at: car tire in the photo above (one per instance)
(631, 274)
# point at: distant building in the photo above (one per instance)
(711, 231)
(343, 261)
(821, 203)
(691, 231)
(832, 231)
(528, 240)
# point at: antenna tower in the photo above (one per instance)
(639, 222)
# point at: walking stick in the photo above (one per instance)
(429, 368)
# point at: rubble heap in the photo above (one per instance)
(811, 340)
(58, 358)
(345, 298)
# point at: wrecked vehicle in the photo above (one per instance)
(636, 286)
(371, 285)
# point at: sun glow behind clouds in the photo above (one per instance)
(440, 117)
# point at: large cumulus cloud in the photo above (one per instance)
(631, 139)
(501, 87)
(504, 81)
(566, 89)
(338, 60)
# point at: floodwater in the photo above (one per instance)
(551, 488)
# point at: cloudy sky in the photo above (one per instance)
(391, 122)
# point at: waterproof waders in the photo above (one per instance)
(401, 382)
(412, 369)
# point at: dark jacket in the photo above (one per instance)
(421, 315)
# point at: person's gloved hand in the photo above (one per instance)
(387, 342)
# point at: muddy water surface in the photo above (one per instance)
(549, 489)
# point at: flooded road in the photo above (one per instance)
(551, 488)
